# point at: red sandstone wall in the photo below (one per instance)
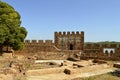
(69, 41)
(37, 46)
(95, 50)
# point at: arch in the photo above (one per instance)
(106, 51)
(111, 52)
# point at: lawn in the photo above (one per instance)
(107, 76)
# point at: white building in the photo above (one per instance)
(109, 51)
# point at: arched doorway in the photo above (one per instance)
(71, 46)
(106, 52)
(111, 51)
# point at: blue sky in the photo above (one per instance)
(99, 19)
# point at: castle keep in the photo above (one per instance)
(69, 41)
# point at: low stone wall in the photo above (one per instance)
(67, 70)
(50, 55)
(44, 71)
(59, 62)
(84, 63)
(117, 65)
(89, 68)
(99, 61)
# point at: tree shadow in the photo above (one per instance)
(2, 52)
(116, 73)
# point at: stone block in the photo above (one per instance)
(67, 71)
(116, 65)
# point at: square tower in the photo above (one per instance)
(69, 40)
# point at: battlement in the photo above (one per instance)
(38, 42)
(69, 40)
(27, 41)
(48, 42)
(66, 41)
(69, 33)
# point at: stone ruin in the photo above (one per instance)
(68, 67)
(72, 42)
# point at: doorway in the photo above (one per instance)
(71, 47)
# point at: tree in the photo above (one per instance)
(11, 32)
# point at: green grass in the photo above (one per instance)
(103, 77)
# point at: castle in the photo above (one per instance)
(62, 41)
(73, 42)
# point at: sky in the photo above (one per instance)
(99, 19)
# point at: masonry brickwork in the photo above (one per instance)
(72, 42)
(62, 41)
(96, 50)
(38, 45)
(69, 41)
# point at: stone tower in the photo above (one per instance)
(69, 40)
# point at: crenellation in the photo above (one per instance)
(60, 33)
(48, 42)
(73, 33)
(70, 41)
(27, 41)
(34, 41)
(82, 34)
(68, 33)
(56, 33)
(40, 41)
(77, 33)
(64, 33)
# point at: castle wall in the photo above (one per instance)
(96, 50)
(71, 42)
(38, 45)
(63, 41)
